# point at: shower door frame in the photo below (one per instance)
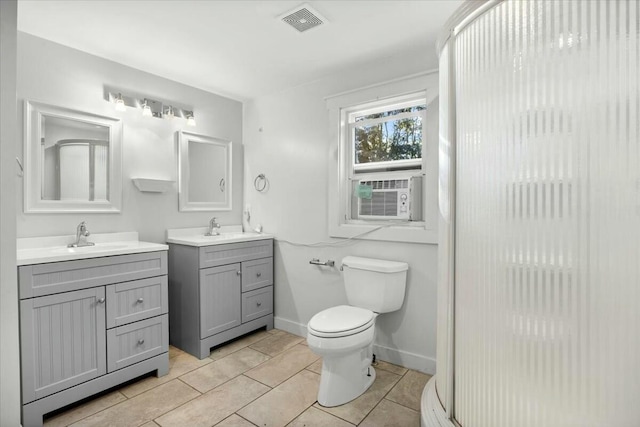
(466, 14)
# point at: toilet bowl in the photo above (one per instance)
(346, 347)
(344, 335)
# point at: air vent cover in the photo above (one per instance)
(303, 18)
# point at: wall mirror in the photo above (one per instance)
(204, 173)
(73, 161)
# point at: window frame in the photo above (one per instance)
(376, 98)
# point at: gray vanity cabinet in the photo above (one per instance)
(89, 325)
(219, 292)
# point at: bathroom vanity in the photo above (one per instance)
(90, 318)
(220, 287)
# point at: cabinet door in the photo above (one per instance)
(219, 299)
(63, 341)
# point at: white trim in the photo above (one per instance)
(392, 355)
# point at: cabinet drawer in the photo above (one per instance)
(211, 256)
(135, 342)
(44, 279)
(257, 303)
(257, 274)
(132, 301)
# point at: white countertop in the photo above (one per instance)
(40, 250)
(228, 234)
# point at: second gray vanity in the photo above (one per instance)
(220, 287)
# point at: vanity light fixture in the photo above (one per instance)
(191, 120)
(120, 106)
(146, 109)
(150, 107)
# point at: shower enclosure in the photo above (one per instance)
(539, 270)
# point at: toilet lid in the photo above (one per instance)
(340, 321)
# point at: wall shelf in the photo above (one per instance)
(148, 185)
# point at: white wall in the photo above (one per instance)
(58, 75)
(287, 139)
(9, 354)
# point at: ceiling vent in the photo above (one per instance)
(303, 18)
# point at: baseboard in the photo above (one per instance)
(287, 325)
(392, 355)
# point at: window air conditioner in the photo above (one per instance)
(394, 198)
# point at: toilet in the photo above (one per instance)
(343, 335)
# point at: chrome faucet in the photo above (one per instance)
(81, 236)
(214, 228)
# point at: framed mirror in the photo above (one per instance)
(73, 161)
(204, 173)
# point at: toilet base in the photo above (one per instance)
(345, 377)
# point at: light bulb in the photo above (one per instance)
(191, 121)
(146, 110)
(120, 104)
(169, 113)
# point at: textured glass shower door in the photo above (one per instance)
(547, 215)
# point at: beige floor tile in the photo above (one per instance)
(215, 405)
(409, 389)
(283, 366)
(275, 331)
(149, 424)
(235, 421)
(179, 365)
(277, 343)
(174, 351)
(316, 366)
(357, 409)
(390, 414)
(396, 369)
(144, 407)
(314, 417)
(86, 409)
(285, 402)
(221, 371)
(234, 346)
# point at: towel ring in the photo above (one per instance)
(260, 183)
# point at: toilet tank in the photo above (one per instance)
(375, 284)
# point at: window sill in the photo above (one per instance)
(389, 233)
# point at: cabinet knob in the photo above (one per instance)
(141, 341)
(238, 272)
(258, 274)
(101, 300)
(258, 304)
(140, 300)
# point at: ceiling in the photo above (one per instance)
(239, 49)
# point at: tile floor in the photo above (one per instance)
(268, 378)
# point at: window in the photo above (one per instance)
(385, 167)
(383, 180)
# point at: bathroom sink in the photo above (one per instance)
(228, 234)
(39, 250)
(98, 247)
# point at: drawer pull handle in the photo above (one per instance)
(140, 300)
(258, 304)
(101, 300)
(238, 272)
(141, 341)
(258, 274)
